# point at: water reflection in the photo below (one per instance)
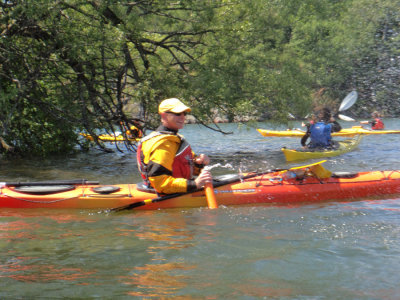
(232, 252)
(15, 230)
(22, 269)
(161, 274)
(158, 280)
(20, 237)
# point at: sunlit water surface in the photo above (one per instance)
(334, 250)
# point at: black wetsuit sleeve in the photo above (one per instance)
(191, 185)
(306, 136)
(336, 126)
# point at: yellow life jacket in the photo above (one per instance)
(165, 159)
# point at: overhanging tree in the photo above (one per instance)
(77, 65)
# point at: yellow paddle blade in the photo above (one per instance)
(315, 168)
(320, 172)
(308, 166)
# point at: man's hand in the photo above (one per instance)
(204, 177)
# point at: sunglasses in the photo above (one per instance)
(177, 114)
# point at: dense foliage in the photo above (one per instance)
(72, 66)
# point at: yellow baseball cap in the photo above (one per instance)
(173, 105)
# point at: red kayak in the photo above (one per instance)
(273, 187)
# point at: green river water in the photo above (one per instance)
(333, 250)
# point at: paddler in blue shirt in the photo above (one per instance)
(165, 159)
(320, 130)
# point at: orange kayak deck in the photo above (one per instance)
(270, 188)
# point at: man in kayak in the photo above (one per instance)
(320, 130)
(165, 159)
(376, 123)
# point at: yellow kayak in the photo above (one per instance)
(109, 138)
(343, 147)
(353, 131)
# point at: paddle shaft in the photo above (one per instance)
(170, 196)
(216, 184)
(210, 196)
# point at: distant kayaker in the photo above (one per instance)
(376, 123)
(319, 130)
(135, 131)
(165, 159)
